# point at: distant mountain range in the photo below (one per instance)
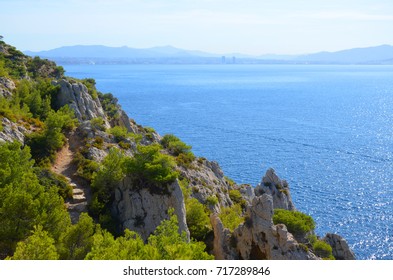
(168, 54)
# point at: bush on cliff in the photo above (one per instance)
(323, 250)
(150, 168)
(296, 222)
(231, 217)
(179, 149)
(197, 217)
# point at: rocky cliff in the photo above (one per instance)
(139, 208)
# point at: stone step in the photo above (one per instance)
(79, 198)
(77, 191)
(77, 207)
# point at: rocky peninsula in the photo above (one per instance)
(115, 177)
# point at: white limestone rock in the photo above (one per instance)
(142, 211)
(279, 190)
(340, 248)
(76, 95)
(12, 132)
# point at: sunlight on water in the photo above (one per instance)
(326, 129)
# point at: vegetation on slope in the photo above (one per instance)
(34, 222)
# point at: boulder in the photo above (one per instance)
(340, 248)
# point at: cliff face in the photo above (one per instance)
(140, 209)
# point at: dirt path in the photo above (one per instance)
(63, 165)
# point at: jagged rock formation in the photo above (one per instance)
(142, 211)
(341, 250)
(258, 238)
(271, 184)
(76, 95)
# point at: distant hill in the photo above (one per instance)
(168, 54)
(379, 55)
(97, 51)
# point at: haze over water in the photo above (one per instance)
(327, 130)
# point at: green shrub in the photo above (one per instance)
(98, 124)
(118, 132)
(149, 132)
(323, 250)
(49, 179)
(197, 217)
(137, 138)
(86, 167)
(91, 87)
(231, 217)
(297, 223)
(212, 200)
(98, 142)
(124, 145)
(235, 196)
(174, 145)
(150, 168)
(185, 160)
(109, 174)
(38, 246)
(109, 103)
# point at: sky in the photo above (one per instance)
(253, 27)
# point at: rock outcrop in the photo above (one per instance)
(258, 238)
(12, 132)
(271, 184)
(76, 95)
(340, 248)
(142, 211)
(6, 87)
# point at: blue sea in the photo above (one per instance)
(327, 130)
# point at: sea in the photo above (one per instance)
(326, 129)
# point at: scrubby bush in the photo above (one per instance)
(118, 132)
(44, 144)
(197, 217)
(296, 222)
(91, 87)
(49, 179)
(323, 250)
(150, 168)
(185, 160)
(109, 174)
(212, 200)
(174, 145)
(231, 217)
(109, 103)
(86, 167)
(98, 124)
(149, 132)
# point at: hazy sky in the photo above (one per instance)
(219, 26)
